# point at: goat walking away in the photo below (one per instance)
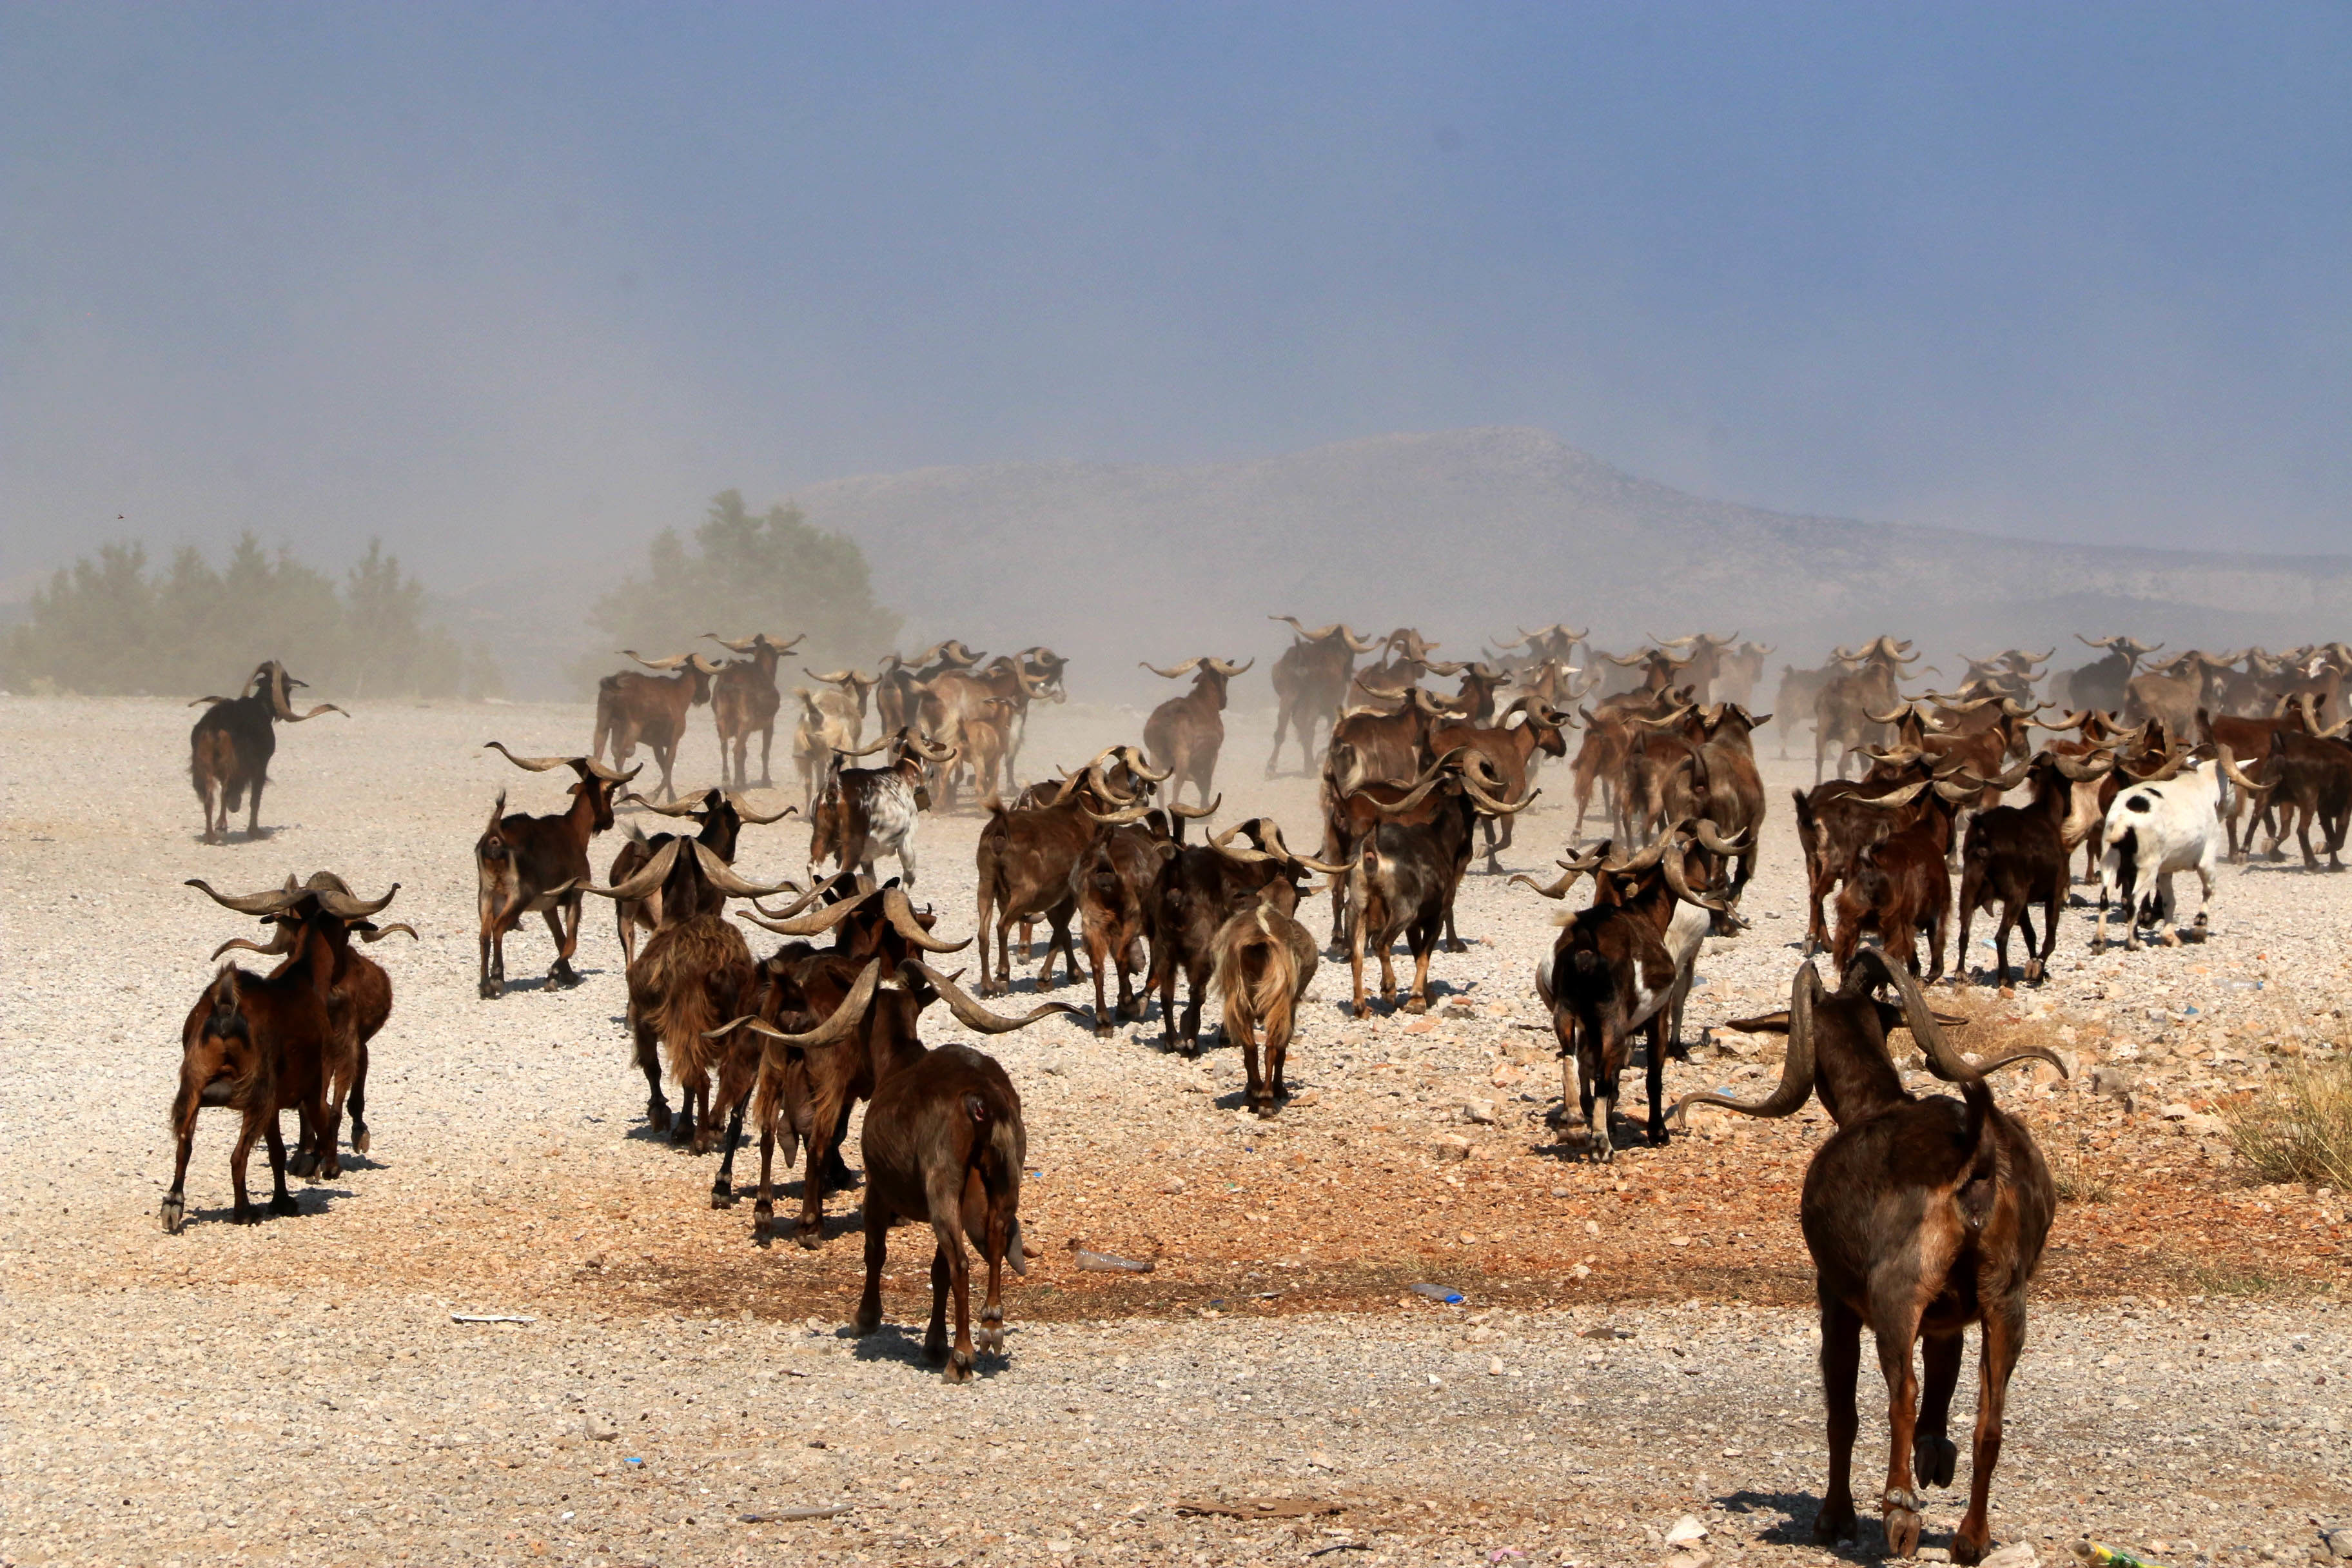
(2166, 823)
(526, 863)
(1923, 1216)
(230, 747)
(1265, 963)
(632, 707)
(1185, 733)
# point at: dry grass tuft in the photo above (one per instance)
(2079, 1173)
(2299, 1127)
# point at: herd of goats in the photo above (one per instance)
(2149, 769)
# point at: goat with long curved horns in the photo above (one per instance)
(1923, 1216)
(230, 747)
(1185, 733)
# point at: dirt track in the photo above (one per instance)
(511, 1172)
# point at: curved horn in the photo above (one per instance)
(665, 665)
(270, 903)
(2075, 770)
(2229, 771)
(645, 883)
(900, 913)
(536, 764)
(693, 806)
(971, 1014)
(1140, 767)
(1132, 813)
(1737, 844)
(1677, 878)
(836, 1026)
(1229, 671)
(282, 942)
(734, 645)
(743, 809)
(340, 903)
(1273, 832)
(1796, 1069)
(1356, 644)
(1197, 812)
(377, 933)
(817, 924)
(1187, 668)
(722, 875)
(1318, 634)
(1899, 798)
(835, 677)
(805, 899)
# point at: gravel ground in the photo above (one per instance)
(309, 1396)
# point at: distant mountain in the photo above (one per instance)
(1467, 533)
(1463, 534)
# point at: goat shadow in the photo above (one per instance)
(1798, 1510)
(896, 1343)
(237, 836)
(310, 1199)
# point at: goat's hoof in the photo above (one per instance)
(657, 1117)
(722, 1196)
(958, 1369)
(175, 1214)
(991, 1337)
(1967, 1548)
(284, 1203)
(359, 1138)
(1834, 1522)
(1414, 1004)
(304, 1164)
(2034, 974)
(1933, 1460)
(1900, 1512)
(865, 1322)
(245, 1213)
(1103, 1031)
(492, 990)
(811, 1240)
(1657, 1134)
(1265, 1110)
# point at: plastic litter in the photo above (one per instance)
(1440, 1293)
(489, 1317)
(1111, 1263)
(2098, 1556)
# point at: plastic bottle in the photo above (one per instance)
(1440, 1293)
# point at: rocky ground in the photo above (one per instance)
(299, 1389)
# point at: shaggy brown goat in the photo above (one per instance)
(1200, 888)
(720, 818)
(1264, 962)
(1923, 1216)
(525, 863)
(230, 747)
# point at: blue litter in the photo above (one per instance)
(633, 1461)
(1440, 1293)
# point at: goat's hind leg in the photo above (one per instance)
(2004, 1337)
(950, 1272)
(1896, 1327)
(1841, 1365)
(1934, 1454)
(281, 1202)
(877, 1253)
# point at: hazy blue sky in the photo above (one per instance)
(468, 276)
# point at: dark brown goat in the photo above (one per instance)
(1185, 733)
(696, 971)
(1508, 751)
(1902, 885)
(858, 1033)
(720, 818)
(1621, 967)
(1835, 821)
(744, 698)
(1923, 1216)
(230, 747)
(1866, 684)
(1311, 685)
(359, 999)
(1024, 859)
(2015, 856)
(650, 710)
(526, 863)
(1402, 875)
(262, 1044)
(1111, 882)
(1735, 791)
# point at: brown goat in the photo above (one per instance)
(265, 1044)
(525, 863)
(650, 710)
(1902, 885)
(1200, 888)
(1111, 883)
(720, 818)
(1024, 859)
(1866, 685)
(1185, 733)
(1264, 962)
(744, 698)
(359, 997)
(230, 747)
(1509, 750)
(1311, 684)
(1923, 1216)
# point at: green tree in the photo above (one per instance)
(107, 626)
(744, 573)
